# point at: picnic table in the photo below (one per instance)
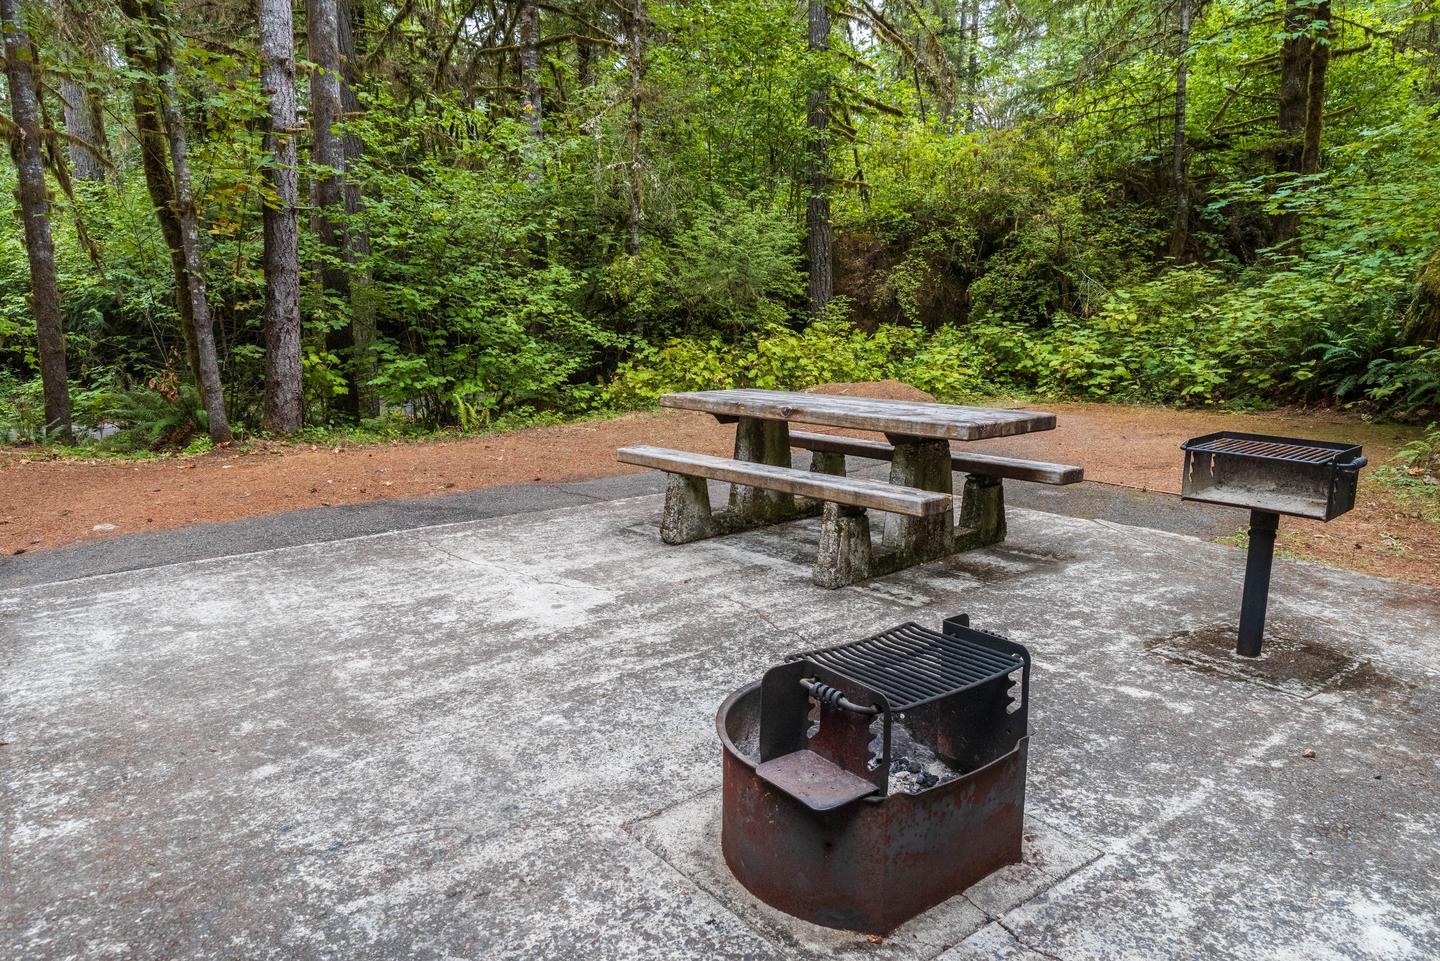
(918, 498)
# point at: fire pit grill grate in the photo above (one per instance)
(913, 665)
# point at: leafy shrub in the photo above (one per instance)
(681, 364)
(735, 266)
(476, 322)
(830, 350)
(952, 366)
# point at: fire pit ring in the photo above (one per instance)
(873, 860)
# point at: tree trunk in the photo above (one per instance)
(154, 150)
(83, 111)
(819, 234)
(530, 63)
(638, 25)
(350, 17)
(972, 63)
(584, 61)
(1180, 232)
(1422, 328)
(208, 364)
(281, 226)
(58, 162)
(1295, 55)
(83, 123)
(1315, 91)
(35, 208)
(327, 150)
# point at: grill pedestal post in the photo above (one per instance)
(1263, 525)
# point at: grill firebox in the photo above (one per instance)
(1281, 475)
(1270, 476)
(869, 781)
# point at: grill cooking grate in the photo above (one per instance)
(1267, 448)
(912, 665)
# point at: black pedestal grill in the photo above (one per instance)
(867, 782)
(1270, 476)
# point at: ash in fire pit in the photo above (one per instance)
(915, 766)
(867, 782)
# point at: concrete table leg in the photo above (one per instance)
(821, 462)
(688, 514)
(763, 442)
(924, 464)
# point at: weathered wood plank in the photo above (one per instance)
(853, 491)
(1009, 468)
(900, 417)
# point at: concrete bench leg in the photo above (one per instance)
(844, 547)
(687, 514)
(825, 462)
(982, 512)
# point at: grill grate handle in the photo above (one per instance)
(829, 695)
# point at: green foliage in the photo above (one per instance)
(22, 410)
(1002, 214)
(162, 414)
(830, 350)
(734, 266)
(1414, 475)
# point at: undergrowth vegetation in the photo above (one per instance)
(1003, 217)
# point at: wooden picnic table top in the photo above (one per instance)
(903, 418)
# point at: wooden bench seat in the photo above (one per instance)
(850, 491)
(1007, 468)
(845, 554)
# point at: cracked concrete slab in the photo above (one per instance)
(430, 743)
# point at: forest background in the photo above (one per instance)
(248, 216)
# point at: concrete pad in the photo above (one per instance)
(687, 837)
(134, 552)
(449, 742)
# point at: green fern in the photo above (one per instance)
(155, 419)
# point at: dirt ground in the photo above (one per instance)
(46, 503)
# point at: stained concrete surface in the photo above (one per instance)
(467, 741)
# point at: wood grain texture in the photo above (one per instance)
(853, 491)
(1010, 468)
(901, 417)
